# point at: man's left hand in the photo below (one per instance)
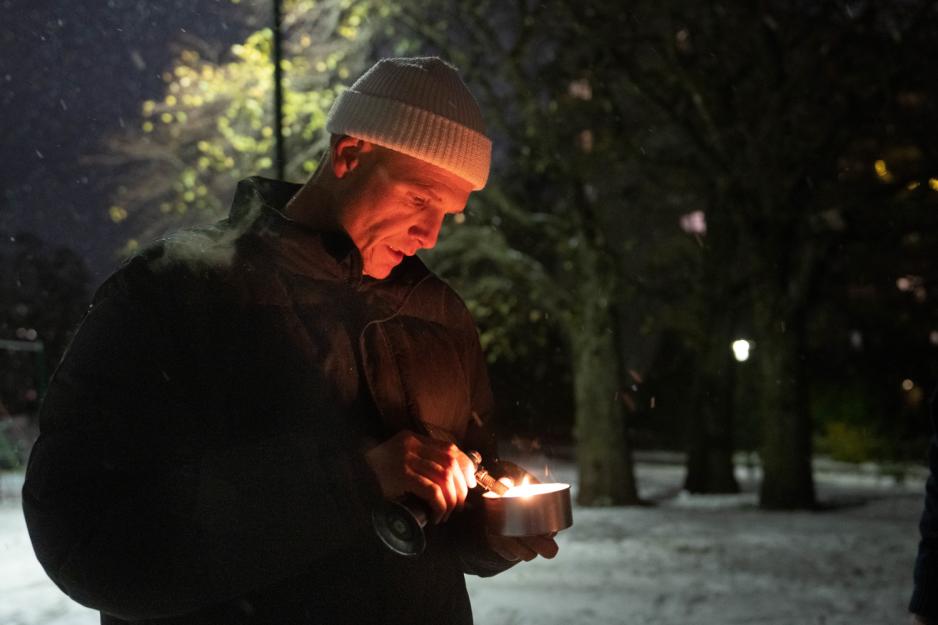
(523, 547)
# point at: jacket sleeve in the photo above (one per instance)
(128, 518)
(924, 600)
(475, 556)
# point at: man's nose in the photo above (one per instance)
(427, 231)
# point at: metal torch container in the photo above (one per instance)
(536, 509)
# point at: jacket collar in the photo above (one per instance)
(303, 251)
(296, 248)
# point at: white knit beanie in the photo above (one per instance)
(420, 107)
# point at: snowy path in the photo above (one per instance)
(688, 560)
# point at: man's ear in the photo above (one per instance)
(347, 153)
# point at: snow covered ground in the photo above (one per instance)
(686, 560)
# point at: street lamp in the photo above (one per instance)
(741, 349)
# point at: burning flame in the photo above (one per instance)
(526, 489)
(512, 487)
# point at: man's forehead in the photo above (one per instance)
(422, 174)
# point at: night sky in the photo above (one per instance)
(71, 73)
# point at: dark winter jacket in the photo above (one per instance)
(201, 449)
(925, 596)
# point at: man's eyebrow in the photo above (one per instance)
(425, 185)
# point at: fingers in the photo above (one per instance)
(456, 477)
(436, 471)
(523, 548)
(437, 474)
(432, 494)
(443, 464)
(450, 455)
(511, 549)
(442, 497)
(524, 551)
(544, 546)
(504, 547)
(459, 470)
(467, 468)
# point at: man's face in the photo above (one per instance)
(394, 205)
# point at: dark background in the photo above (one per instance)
(73, 75)
(70, 74)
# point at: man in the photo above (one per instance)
(240, 398)
(924, 602)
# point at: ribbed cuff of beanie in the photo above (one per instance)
(414, 132)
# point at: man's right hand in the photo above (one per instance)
(435, 471)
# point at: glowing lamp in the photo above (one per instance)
(741, 349)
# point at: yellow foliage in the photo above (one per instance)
(217, 116)
(130, 247)
(117, 214)
(882, 171)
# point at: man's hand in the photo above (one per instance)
(919, 620)
(523, 548)
(435, 471)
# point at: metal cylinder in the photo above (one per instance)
(399, 525)
(536, 509)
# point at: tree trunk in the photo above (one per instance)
(603, 453)
(710, 435)
(709, 440)
(787, 481)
